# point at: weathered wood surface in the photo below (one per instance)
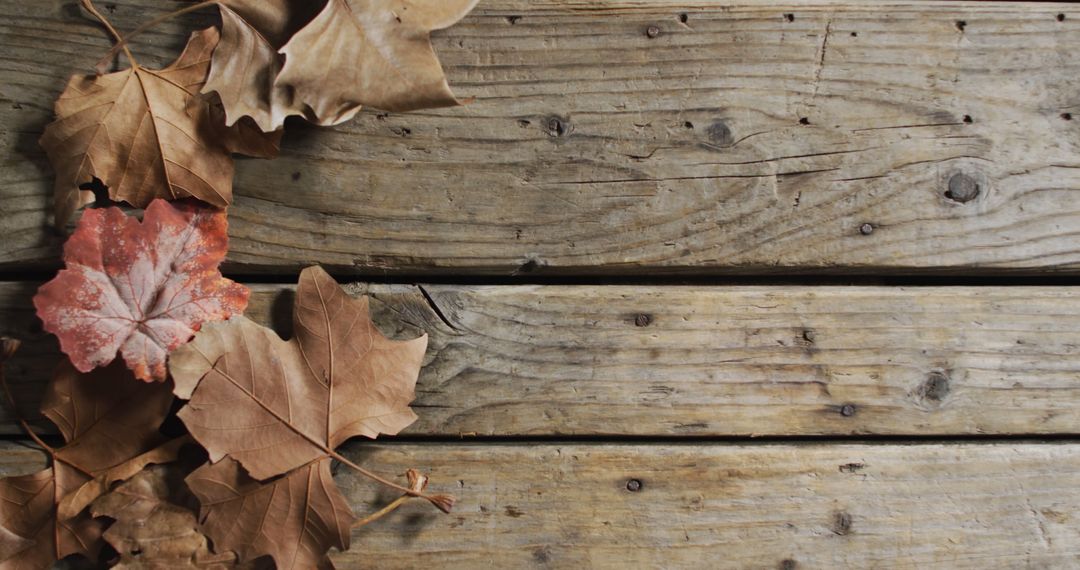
(595, 148)
(718, 506)
(542, 360)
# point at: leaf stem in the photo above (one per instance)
(382, 512)
(89, 5)
(443, 502)
(122, 42)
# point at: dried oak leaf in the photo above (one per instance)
(246, 61)
(154, 529)
(139, 288)
(276, 405)
(295, 518)
(106, 418)
(370, 52)
(146, 134)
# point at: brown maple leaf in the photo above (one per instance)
(246, 61)
(370, 52)
(139, 288)
(146, 134)
(105, 417)
(155, 527)
(249, 518)
(275, 405)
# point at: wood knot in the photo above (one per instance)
(720, 134)
(556, 126)
(934, 389)
(962, 188)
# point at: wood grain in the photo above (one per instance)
(759, 137)
(704, 361)
(780, 506)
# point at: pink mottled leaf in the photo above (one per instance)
(140, 289)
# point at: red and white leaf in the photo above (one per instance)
(140, 289)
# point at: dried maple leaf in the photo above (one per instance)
(246, 62)
(275, 405)
(154, 529)
(139, 288)
(145, 134)
(249, 518)
(370, 52)
(105, 417)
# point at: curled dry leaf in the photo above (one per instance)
(99, 485)
(106, 418)
(277, 405)
(249, 518)
(146, 134)
(246, 62)
(154, 528)
(139, 288)
(370, 52)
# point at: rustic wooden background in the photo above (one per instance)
(725, 284)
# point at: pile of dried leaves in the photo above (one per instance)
(149, 325)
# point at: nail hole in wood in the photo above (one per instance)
(841, 524)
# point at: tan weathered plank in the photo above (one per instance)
(719, 506)
(594, 148)
(542, 360)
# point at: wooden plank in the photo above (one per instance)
(595, 148)
(706, 361)
(817, 506)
